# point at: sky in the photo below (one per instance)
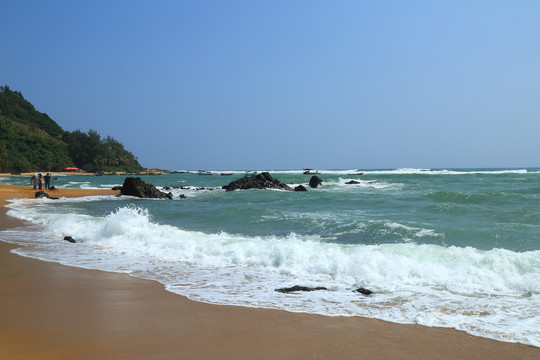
(286, 84)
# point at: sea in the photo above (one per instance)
(454, 248)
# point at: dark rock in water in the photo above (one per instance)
(300, 188)
(136, 187)
(70, 239)
(43, 194)
(260, 181)
(117, 188)
(315, 181)
(182, 196)
(352, 182)
(299, 288)
(364, 291)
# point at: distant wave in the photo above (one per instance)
(399, 171)
(409, 171)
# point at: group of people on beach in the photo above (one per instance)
(37, 181)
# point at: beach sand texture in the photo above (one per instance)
(50, 311)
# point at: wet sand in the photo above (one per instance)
(51, 311)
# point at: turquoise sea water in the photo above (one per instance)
(453, 248)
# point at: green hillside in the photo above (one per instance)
(32, 141)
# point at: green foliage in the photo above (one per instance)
(32, 141)
(92, 153)
(17, 108)
(24, 150)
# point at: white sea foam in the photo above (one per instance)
(409, 171)
(367, 184)
(399, 171)
(413, 171)
(417, 232)
(358, 183)
(82, 185)
(465, 288)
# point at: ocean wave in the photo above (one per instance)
(355, 183)
(132, 229)
(399, 171)
(413, 283)
(479, 198)
(457, 197)
(414, 171)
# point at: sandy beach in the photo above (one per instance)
(50, 311)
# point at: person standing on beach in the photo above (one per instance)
(40, 182)
(34, 181)
(47, 179)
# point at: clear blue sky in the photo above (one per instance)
(286, 84)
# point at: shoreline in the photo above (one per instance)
(52, 311)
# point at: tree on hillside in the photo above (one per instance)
(3, 156)
(92, 153)
(83, 147)
(15, 106)
(32, 141)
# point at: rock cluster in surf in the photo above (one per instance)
(261, 181)
(136, 187)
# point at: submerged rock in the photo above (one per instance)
(261, 181)
(364, 291)
(299, 288)
(352, 182)
(315, 181)
(300, 188)
(136, 187)
(70, 239)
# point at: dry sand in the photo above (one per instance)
(50, 311)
